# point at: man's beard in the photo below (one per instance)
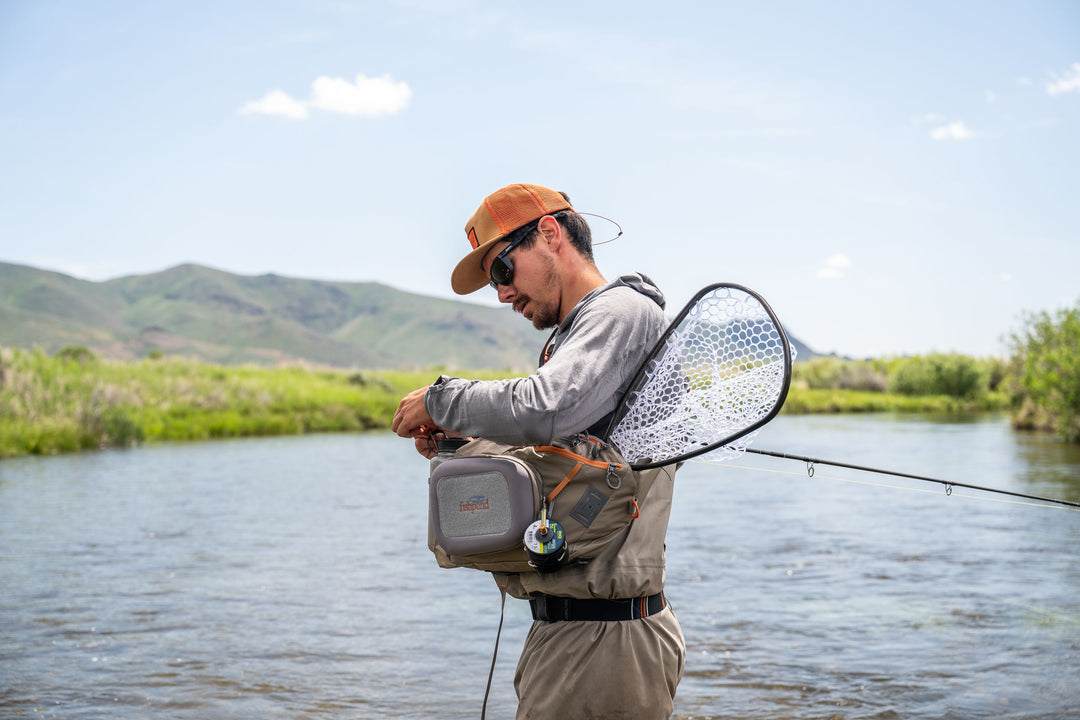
(545, 315)
(545, 318)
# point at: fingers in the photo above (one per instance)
(411, 414)
(423, 446)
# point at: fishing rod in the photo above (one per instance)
(949, 484)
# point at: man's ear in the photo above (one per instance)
(551, 231)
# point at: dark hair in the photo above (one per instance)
(575, 226)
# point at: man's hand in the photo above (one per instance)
(425, 446)
(412, 419)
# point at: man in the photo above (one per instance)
(536, 251)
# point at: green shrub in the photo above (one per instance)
(1046, 366)
(833, 373)
(997, 371)
(77, 353)
(956, 376)
(120, 427)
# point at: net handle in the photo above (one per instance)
(623, 406)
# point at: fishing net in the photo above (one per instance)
(718, 374)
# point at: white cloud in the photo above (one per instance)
(1069, 81)
(953, 131)
(834, 267)
(276, 102)
(991, 96)
(364, 97)
(1005, 277)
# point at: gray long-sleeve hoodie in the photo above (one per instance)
(594, 356)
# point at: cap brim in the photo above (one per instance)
(468, 275)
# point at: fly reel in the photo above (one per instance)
(545, 544)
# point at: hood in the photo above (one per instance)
(639, 282)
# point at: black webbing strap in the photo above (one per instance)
(552, 608)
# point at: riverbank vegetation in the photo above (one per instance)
(939, 383)
(1045, 373)
(75, 400)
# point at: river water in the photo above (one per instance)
(289, 578)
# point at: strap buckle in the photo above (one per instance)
(550, 608)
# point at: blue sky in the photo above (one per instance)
(893, 177)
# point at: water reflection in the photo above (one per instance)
(1050, 465)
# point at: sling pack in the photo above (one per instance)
(483, 499)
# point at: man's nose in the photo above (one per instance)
(506, 294)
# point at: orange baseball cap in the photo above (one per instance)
(501, 213)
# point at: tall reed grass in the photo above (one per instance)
(76, 401)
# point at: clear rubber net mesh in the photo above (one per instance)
(721, 370)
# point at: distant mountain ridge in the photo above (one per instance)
(225, 318)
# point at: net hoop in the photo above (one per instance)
(720, 372)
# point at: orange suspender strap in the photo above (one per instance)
(558, 488)
(574, 456)
(570, 475)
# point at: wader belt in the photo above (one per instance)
(552, 608)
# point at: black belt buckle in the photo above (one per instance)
(550, 608)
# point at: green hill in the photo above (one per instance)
(220, 317)
(268, 319)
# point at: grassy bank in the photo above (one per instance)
(935, 383)
(76, 401)
(803, 400)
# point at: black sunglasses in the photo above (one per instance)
(502, 267)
